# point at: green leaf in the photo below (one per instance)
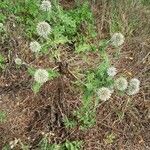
(31, 71)
(103, 45)
(36, 87)
(52, 74)
(82, 47)
(6, 147)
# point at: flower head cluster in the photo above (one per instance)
(41, 76)
(18, 61)
(104, 93)
(46, 5)
(35, 46)
(43, 29)
(121, 84)
(112, 71)
(117, 39)
(134, 86)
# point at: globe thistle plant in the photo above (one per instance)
(117, 39)
(43, 29)
(112, 71)
(46, 5)
(18, 61)
(134, 86)
(41, 76)
(35, 46)
(121, 84)
(104, 93)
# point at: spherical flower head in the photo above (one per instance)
(135, 82)
(18, 61)
(104, 93)
(117, 39)
(43, 29)
(121, 84)
(35, 46)
(134, 87)
(41, 76)
(46, 5)
(112, 71)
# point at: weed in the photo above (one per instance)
(2, 62)
(6, 147)
(2, 116)
(110, 138)
(67, 145)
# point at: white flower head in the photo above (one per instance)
(104, 93)
(121, 84)
(112, 71)
(43, 29)
(35, 46)
(134, 87)
(46, 5)
(41, 76)
(135, 81)
(18, 61)
(117, 39)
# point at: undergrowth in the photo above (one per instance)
(76, 28)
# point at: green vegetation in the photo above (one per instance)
(75, 28)
(2, 116)
(67, 145)
(2, 62)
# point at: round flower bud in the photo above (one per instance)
(117, 39)
(134, 87)
(35, 46)
(121, 84)
(41, 76)
(112, 71)
(46, 5)
(135, 82)
(43, 29)
(18, 61)
(104, 93)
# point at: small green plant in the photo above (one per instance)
(67, 145)
(74, 145)
(69, 123)
(2, 62)
(2, 116)
(95, 79)
(6, 147)
(110, 138)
